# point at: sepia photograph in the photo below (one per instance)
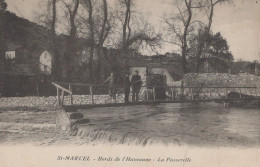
(130, 83)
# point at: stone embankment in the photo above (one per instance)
(221, 79)
(51, 101)
(225, 80)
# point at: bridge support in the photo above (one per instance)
(67, 121)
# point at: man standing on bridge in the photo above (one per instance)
(127, 85)
(136, 82)
(111, 87)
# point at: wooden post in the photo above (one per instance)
(154, 94)
(71, 96)
(240, 95)
(172, 93)
(210, 94)
(255, 92)
(191, 90)
(58, 96)
(62, 99)
(38, 90)
(91, 94)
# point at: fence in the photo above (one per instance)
(98, 94)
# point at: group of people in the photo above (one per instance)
(135, 83)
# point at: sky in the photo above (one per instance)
(238, 22)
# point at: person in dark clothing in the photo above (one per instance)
(111, 87)
(136, 86)
(127, 85)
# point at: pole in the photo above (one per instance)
(58, 96)
(172, 93)
(154, 94)
(191, 94)
(91, 94)
(71, 96)
(62, 99)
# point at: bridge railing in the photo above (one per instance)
(79, 94)
(203, 93)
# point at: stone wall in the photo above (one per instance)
(51, 101)
(224, 80)
(221, 79)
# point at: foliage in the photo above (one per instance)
(215, 52)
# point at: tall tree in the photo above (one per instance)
(91, 35)
(180, 27)
(203, 39)
(56, 62)
(135, 35)
(216, 54)
(102, 31)
(3, 7)
(72, 11)
(219, 51)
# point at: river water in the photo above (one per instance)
(204, 124)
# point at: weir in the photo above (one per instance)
(69, 118)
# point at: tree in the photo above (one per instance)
(181, 26)
(56, 67)
(217, 53)
(49, 19)
(102, 31)
(97, 28)
(3, 7)
(89, 7)
(136, 33)
(204, 33)
(71, 10)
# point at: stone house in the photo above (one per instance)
(45, 62)
(16, 54)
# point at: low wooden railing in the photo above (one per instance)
(175, 91)
(63, 90)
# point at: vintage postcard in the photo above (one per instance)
(112, 83)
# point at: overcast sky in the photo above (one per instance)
(239, 23)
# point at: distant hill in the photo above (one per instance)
(31, 36)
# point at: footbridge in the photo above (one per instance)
(74, 96)
(96, 95)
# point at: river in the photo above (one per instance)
(207, 124)
(204, 124)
